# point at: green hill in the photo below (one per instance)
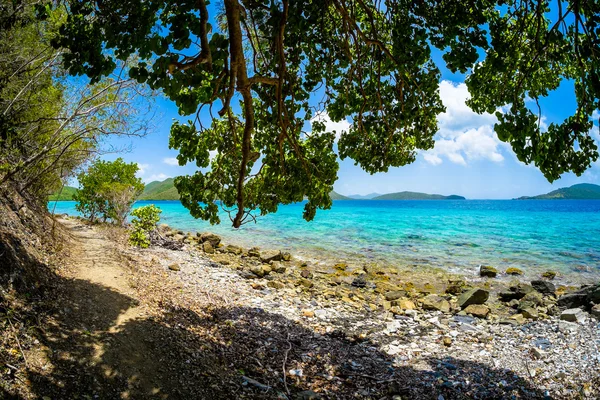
(581, 191)
(65, 195)
(416, 196)
(337, 196)
(156, 190)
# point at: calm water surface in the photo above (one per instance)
(533, 235)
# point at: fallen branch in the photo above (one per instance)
(285, 357)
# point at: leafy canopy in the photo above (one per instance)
(108, 190)
(365, 60)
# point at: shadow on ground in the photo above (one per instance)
(182, 354)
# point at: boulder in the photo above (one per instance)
(531, 300)
(306, 274)
(231, 249)
(513, 271)
(258, 270)
(275, 285)
(360, 281)
(573, 315)
(549, 275)
(515, 292)
(285, 256)
(587, 296)
(456, 286)
(340, 266)
(163, 228)
(478, 310)
(174, 267)
(270, 255)
(210, 237)
(394, 295)
(435, 302)
(306, 283)
(572, 300)
(208, 248)
(530, 313)
(404, 304)
(544, 287)
(473, 296)
(487, 271)
(596, 311)
(278, 267)
(254, 252)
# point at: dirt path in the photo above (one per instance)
(97, 325)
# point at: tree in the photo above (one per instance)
(144, 223)
(366, 60)
(108, 190)
(51, 123)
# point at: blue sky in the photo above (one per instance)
(467, 159)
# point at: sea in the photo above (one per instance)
(451, 235)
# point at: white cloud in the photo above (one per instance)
(331, 126)
(463, 135)
(155, 177)
(171, 161)
(142, 168)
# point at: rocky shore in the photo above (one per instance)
(483, 339)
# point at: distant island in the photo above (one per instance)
(156, 190)
(364, 197)
(416, 196)
(581, 191)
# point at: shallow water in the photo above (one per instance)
(458, 236)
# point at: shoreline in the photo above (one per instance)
(408, 323)
(428, 246)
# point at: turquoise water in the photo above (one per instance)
(534, 235)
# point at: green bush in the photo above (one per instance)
(144, 222)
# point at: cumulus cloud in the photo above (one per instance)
(171, 161)
(463, 135)
(155, 177)
(331, 126)
(142, 168)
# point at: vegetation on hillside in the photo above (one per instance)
(582, 191)
(65, 193)
(156, 190)
(416, 196)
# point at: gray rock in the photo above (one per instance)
(278, 267)
(306, 274)
(258, 270)
(573, 315)
(531, 300)
(435, 302)
(208, 248)
(394, 295)
(487, 271)
(572, 300)
(210, 237)
(234, 249)
(516, 292)
(473, 296)
(544, 287)
(270, 255)
(596, 311)
(360, 281)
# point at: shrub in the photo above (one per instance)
(144, 222)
